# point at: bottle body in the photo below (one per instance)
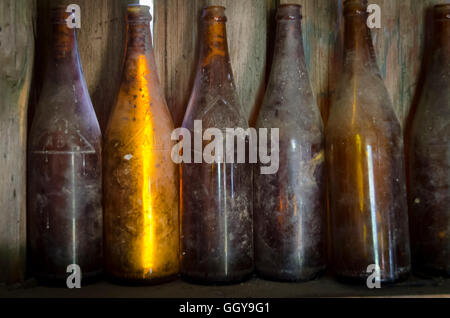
(140, 178)
(64, 163)
(429, 159)
(289, 214)
(216, 198)
(364, 146)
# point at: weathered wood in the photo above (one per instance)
(400, 45)
(16, 63)
(175, 27)
(101, 43)
(176, 45)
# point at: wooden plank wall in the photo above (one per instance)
(251, 25)
(399, 47)
(176, 28)
(16, 64)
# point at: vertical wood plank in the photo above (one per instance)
(400, 45)
(175, 27)
(16, 63)
(101, 43)
(176, 46)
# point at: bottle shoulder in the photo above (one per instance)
(362, 101)
(67, 112)
(216, 108)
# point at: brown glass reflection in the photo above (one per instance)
(364, 149)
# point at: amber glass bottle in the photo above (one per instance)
(216, 199)
(64, 164)
(364, 150)
(289, 214)
(429, 159)
(140, 178)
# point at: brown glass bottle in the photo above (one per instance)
(364, 149)
(216, 199)
(429, 159)
(289, 214)
(64, 167)
(140, 178)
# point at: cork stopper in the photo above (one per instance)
(355, 7)
(289, 12)
(137, 14)
(442, 12)
(216, 13)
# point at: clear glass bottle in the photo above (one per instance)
(289, 214)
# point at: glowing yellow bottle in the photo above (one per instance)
(140, 178)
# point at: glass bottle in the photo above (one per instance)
(216, 198)
(64, 167)
(364, 148)
(429, 159)
(140, 178)
(289, 215)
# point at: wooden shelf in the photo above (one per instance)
(255, 288)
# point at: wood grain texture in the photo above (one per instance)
(175, 45)
(399, 46)
(176, 49)
(101, 43)
(16, 63)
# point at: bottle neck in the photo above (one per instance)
(64, 58)
(214, 65)
(288, 43)
(358, 47)
(139, 38)
(441, 41)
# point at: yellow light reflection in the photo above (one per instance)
(147, 166)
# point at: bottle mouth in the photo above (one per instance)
(441, 12)
(289, 12)
(137, 13)
(216, 13)
(355, 7)
(59, 15)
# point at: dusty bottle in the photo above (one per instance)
(364, 149)
(429, 159)
(64, 164)
(140, 178)
(289, 213)
(216, 198)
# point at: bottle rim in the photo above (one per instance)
(295, 13)
(59, 15)
(355, 7)
(137, 13)
(442, 12)
(216, 13)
